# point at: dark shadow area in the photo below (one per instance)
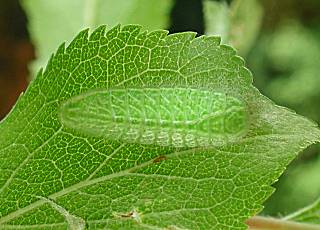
(187, 15)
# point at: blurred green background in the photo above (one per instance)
(280, 41)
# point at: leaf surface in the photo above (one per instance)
(52, 176)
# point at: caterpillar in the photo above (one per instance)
(178, 117)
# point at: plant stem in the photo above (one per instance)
(266, 223)
(300, 212)
(90, 13)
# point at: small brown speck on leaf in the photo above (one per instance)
(159, 159)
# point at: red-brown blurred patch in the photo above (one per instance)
(16, 52)
(14, 59)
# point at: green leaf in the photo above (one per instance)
(309, 214)
(238, 24)
(52, 176)
(285, 62)
(51, 22)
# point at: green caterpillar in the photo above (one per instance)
(178, 117)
